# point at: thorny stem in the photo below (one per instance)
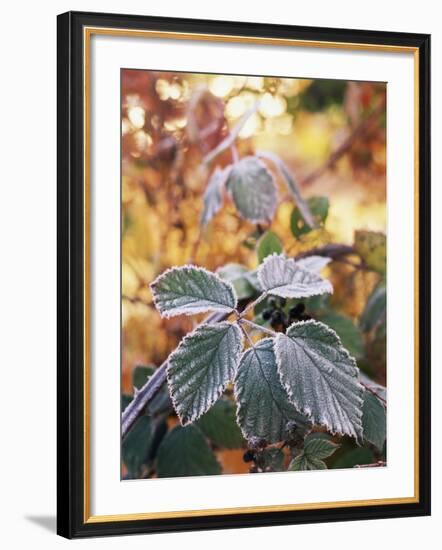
(146, 393)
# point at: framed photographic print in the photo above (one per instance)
(243, 274)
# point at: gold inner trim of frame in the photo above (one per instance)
(87, 33)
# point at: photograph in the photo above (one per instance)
(253, 274)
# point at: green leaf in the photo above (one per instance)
(136, 446)
(200, 368)
(320, 377)
(375, 309)
(283, 277)
(263, 406)
(268, 244)
(185, 452)
(374, 420)
(219, 425)
(189, 290)
(303, 462)
(347, 331)
(213, 196)
(253, 190)
(319, 447)
(238, 276)
(374, 386)
(354, 457)
(372, 248)
(140, 374)
(318, 207)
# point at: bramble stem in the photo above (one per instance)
(258, 327)
(146, 393)
(246, 334)
(252, 305)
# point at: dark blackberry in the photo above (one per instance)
(304, 317)
(266, 314)
(248, 456)
(276, 317)
(297, 310)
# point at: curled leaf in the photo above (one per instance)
(318, 206)
(292, 185)
(213, 196)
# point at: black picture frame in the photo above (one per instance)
(72, 522)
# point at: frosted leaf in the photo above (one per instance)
(263, 407)
(189, 290)
(320, 377)
(313, 263)
(200, 368)
(283, 277)
(213, 196)
(253, 190)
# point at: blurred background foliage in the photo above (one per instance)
(170, 121)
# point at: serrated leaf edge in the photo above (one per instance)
(182, 311)
(235, 391)
(308, 271)
(323, 259)
(221, 387)
(333, 446)
(306, 410)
